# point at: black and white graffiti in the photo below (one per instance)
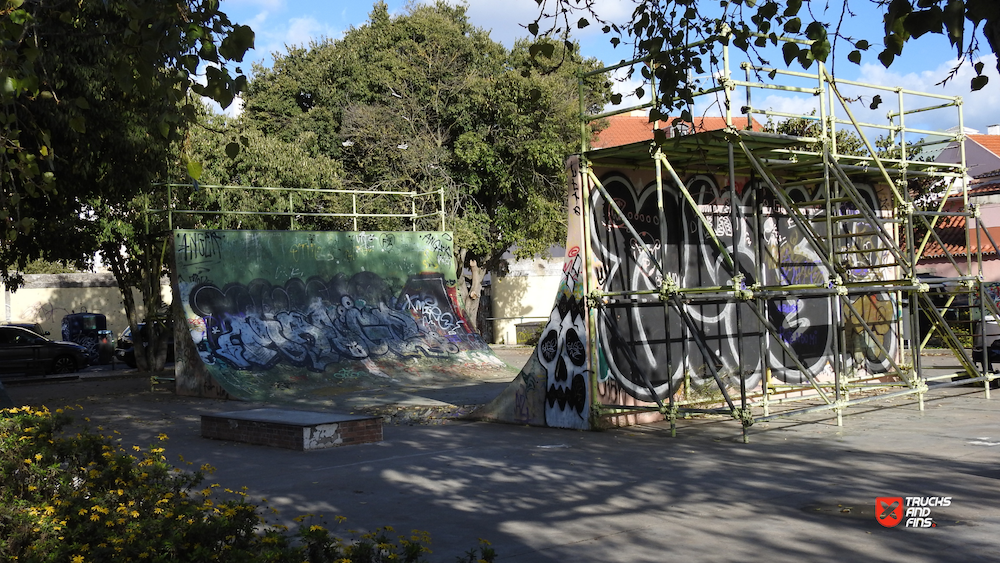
(562, 353)
(646, 345)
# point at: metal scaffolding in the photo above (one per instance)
(855, 214)
(302, 205)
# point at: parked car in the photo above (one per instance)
(33, 327)
(23, 352)
(125, 351)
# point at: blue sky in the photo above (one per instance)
(281, 23)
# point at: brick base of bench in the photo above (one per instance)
(296, 430)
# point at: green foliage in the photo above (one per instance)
(680, 36)
(424, 101)
(40, 266)
(260, 161)
(83, 81)
(75, 496)
(847, 141)
(95, 94)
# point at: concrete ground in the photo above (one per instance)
(803, 489)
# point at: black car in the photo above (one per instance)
(33, 327)
(23, 352)
(125, 351)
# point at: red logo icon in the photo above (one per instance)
(889, 510)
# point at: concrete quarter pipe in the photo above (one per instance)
(276, 315)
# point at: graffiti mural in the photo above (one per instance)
(633, 243)
(279, 306)
(562, 353)
(651, 353)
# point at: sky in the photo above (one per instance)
(925, 62)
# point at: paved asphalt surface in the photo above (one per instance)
(803, 489)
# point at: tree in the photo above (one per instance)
(93, 95)
(426, 101)
(680, 36)
(263, 162)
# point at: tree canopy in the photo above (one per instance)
(425, 101)
(679, 36)
(92, 93)
(95, 97)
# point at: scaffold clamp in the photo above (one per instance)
(740, 289)
(596, 300)
(745, 416)
(668, 289)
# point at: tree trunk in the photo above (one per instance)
(473, 293)
(149, 356)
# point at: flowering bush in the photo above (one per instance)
(81, 497)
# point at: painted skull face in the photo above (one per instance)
(562, 351)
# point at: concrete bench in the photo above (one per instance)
(296, 430)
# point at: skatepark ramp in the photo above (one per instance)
(752, 274)
(283, 315)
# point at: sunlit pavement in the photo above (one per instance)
(802, 489)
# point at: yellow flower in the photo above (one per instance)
(77, 559)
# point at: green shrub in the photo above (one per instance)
(79, 497)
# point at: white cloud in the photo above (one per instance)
(301, 31)
(980, 109)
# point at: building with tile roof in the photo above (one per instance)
(982, 152)
(984, 193)
(635, 127)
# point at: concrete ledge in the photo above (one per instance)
(291, 429)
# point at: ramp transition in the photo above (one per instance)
(286, 315)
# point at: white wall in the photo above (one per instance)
(47, 298)
(525, 295)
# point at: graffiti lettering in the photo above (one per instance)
(258, 327)
(195, 247)
(438, 248)
(304, 252)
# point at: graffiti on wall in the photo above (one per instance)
(323, 303)
(562, 352)
(635, 348)
(649, 349)
(315, 323)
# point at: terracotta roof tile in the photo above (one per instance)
(627, 129)
(951, 230)
(989, 142)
